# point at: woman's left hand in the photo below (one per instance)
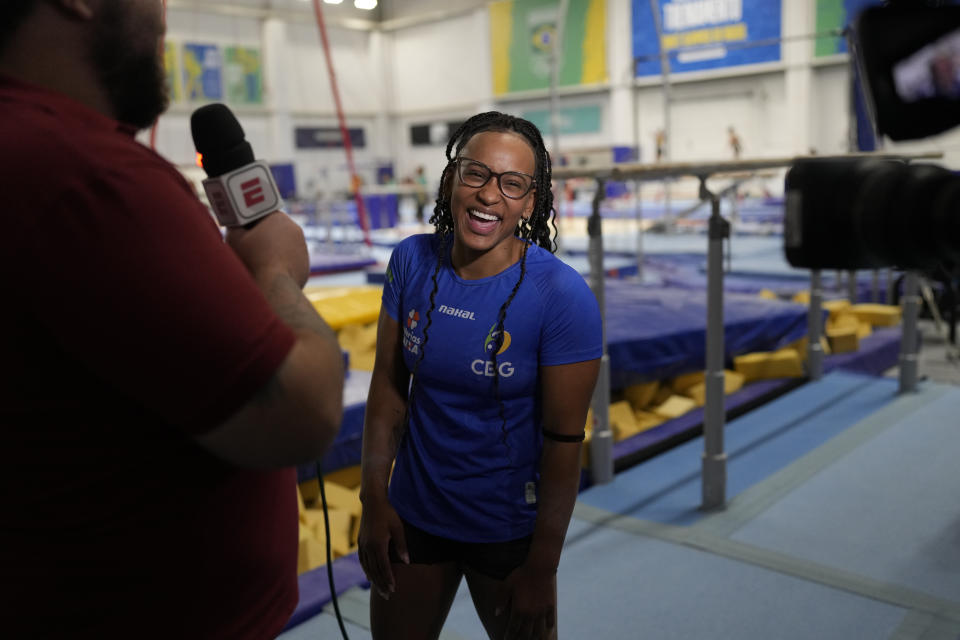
(529, 600)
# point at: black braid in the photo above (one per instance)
(498, 343)
(441, 252)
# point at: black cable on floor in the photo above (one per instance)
(326, 528)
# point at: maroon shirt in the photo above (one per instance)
(127, 327)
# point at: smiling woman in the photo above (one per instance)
(481, 402)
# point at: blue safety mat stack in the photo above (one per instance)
(655, 333)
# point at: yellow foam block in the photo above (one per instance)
(301, 507)
(340, 497)
(663, 394)
(674, 407)
(622, 421)
(784, 363)
(646, 420)
(687, 380)
(878, 315)
(348, 477)
(732, 381)
(836, 306)
(843, 339)
(842, 319)
(310, 490)
(311, 552)
(863, 330)
(362, 360)
(801, 297)
(641, 395)
(341, 306)
(340, 528)
(358, 337)
(767, 294)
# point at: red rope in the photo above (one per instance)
(344, 132)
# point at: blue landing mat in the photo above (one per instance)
(654, 333)
(667, 488)
(888, 509)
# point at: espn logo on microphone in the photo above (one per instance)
(242, 196)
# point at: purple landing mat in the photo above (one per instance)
(315, 587)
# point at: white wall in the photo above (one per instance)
(440, 70)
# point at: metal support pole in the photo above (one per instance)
(667, 100)
(714, 460)
(910, 303)
(875, 287)
(852, 286)
(815, 327)
(601, 443)
(637, 192)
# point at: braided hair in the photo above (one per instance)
(535, 230)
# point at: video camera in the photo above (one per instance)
(871, 213)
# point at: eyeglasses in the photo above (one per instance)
(513, 184)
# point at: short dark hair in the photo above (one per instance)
(12, 14)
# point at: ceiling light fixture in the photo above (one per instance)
(365, 4)
(333, 1)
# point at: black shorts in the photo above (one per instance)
(495, 560)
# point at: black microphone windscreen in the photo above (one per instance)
(219, 138)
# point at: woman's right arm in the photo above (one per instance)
(382, 430)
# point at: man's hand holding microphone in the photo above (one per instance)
(296, 416)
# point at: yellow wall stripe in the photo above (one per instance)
(501, 25)
(595, 43)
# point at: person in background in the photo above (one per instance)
(488, 351)
(734, 140)
(660, 141)
(420, 181)
(159, 383)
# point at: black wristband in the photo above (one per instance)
(562, 437)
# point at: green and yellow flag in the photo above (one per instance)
(523, 34)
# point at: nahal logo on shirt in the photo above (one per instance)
(389, 275)
(457, 313)
(485, 367)
(413, 319)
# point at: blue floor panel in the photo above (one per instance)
(667, 488)
(616, 585)
(887, 510)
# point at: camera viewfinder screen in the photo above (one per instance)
(932, 72)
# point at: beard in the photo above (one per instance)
(134, 78)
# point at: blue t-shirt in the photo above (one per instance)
(459, 472)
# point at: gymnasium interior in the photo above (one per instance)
(770, 447)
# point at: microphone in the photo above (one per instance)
(241, 190)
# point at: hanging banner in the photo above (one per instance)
(327, 137)
(172, 70)
(243, 75)
(836, 15)
(202, 72)
(706, 34)
(585, 119)
(522, 38)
